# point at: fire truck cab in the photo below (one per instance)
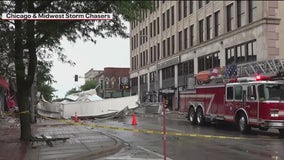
(247, 102)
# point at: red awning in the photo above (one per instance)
(3, 83)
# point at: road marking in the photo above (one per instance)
(160, 132)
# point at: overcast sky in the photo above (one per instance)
(110, 52)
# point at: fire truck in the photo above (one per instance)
(253, 97)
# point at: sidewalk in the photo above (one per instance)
(83, 142)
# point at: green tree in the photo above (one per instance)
(44, 80)
(89, 85)
(71, 91)
(42, 38)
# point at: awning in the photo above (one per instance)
(3, 83)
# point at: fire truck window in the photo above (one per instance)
(230, 93)
(251, 93)
(238, 92)
(261, 92)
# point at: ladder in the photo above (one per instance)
(267, 67)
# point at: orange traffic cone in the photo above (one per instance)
(76, 117)
(134, 119)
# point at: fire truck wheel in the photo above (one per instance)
(200, 117)
(192, 116)
(243, 123)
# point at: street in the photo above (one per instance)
(220, 141)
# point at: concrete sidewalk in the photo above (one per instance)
(83, 143)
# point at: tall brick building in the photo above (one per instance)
(177, 39)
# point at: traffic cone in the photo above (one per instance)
(76, 117)
(134, 119)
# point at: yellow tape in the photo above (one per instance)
(159, 132)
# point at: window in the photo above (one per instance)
(158, 25)
(201, 31)
(169, 46)
(251, 55)
(240, 13)
(143, 35)
(158, 52)
(208, 27)
(146, 33)
(163, 21)
(152, 77)
(229, 17)
(238, 92)
(230, 93)
(158, 3)
(173, 15)
(251, 10)
(186, 68)
(151, 29)
(151, 55)
(168, 73)
(191, 35)
(184, 8)
(180, 41)
(154, 28)
(230, 55)
(185, 38)
(131, 43)
(200, 4)
(140, 38)
(134, 81)
(216, 23)
(146, 57)
(251, 93)
(241, 53)
(173, 44)
(207, 1)
(179, 10)
(190, 6)
(164, 48)
(201, 64)
(208, 61)
(155, 53)
(168, 18)
(216, 59)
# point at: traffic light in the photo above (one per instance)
(76, 78)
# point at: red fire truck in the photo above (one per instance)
(247, 101)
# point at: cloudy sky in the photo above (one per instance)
(110, 52)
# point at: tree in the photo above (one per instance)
(89, 85)
(71, 91)
(42, 38)
(44, 80)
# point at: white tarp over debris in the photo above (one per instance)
(86, 104)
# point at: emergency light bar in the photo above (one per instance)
(250, 79)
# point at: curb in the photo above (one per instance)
(103, 152)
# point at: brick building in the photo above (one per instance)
(109, 79)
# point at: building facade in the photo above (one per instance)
(110, 81)
(178, 39)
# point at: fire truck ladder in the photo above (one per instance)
(267, 67)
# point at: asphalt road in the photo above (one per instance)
(220, 141)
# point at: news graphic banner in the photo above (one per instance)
(57, 16)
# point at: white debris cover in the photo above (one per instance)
(86, 104)
(98, 108)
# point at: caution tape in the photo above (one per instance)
(158, 132)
